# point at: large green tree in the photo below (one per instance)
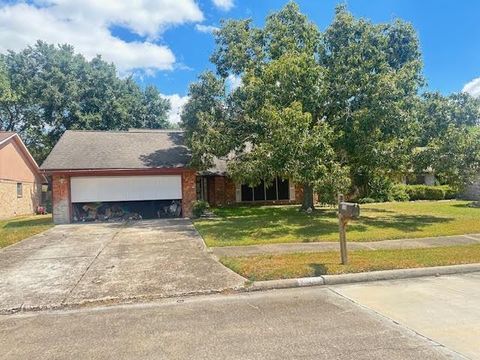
(448, 140)
(272, 125)
(47, 89)
(373, 75)
(320, 108)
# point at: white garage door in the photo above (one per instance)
(126, 188)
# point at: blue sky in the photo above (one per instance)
(167, 43)
(449, 32)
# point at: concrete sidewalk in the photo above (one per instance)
(444, 309)
(251, 250)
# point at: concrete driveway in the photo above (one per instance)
(76, 264)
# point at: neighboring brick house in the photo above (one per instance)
(20, 178)
(104, 174)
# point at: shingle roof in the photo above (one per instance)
(135, 149)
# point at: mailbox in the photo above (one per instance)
(349, 210)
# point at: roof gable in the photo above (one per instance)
(20, 148)
(6, 135)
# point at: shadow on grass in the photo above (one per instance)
(404, 223)
(269, 224)
(20, 223)
(255, 210)
(468, 206)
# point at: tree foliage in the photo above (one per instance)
(271, 125)
(373, 75)
(47, 89)
(319, 108)
(449, 139)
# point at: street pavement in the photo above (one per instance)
(445, 309)
(302, 323)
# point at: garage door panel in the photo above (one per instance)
(125, 188)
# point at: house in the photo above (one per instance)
(472, 190)
(103, 175)
(20, 178)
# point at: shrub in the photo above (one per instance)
(425, 192)
(450, 192)
(399, 193)
(380, 189)
(199, 208)
(434, 193)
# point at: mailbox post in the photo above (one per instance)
(346, 211)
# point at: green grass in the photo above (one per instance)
(19, 228)
(251, 225)
(269, 267)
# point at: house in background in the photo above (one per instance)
(472, 191)
(20, 178)
(107, 175)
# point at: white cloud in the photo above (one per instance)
(206, 28)
(473, 87)
(223, 4)
(177, 103)
(85, 24)
(234, 82)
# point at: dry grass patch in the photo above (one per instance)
(269, 267)
(21, 227)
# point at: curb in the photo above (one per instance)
(112, 301)
(363, 277)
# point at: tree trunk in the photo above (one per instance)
(307, 198)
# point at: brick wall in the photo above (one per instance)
(230, 191)
(219, 192)
(12, 205)
(61, 199)
(298, 194)
(189, 192)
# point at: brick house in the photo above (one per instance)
(20, 178)
(100, 175)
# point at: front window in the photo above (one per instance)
(201, 187)
(19, 190)
(278, 189)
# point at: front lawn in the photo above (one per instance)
(269, 267)
(19, 228)
(250, 225)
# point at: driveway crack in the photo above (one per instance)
(90, 265)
